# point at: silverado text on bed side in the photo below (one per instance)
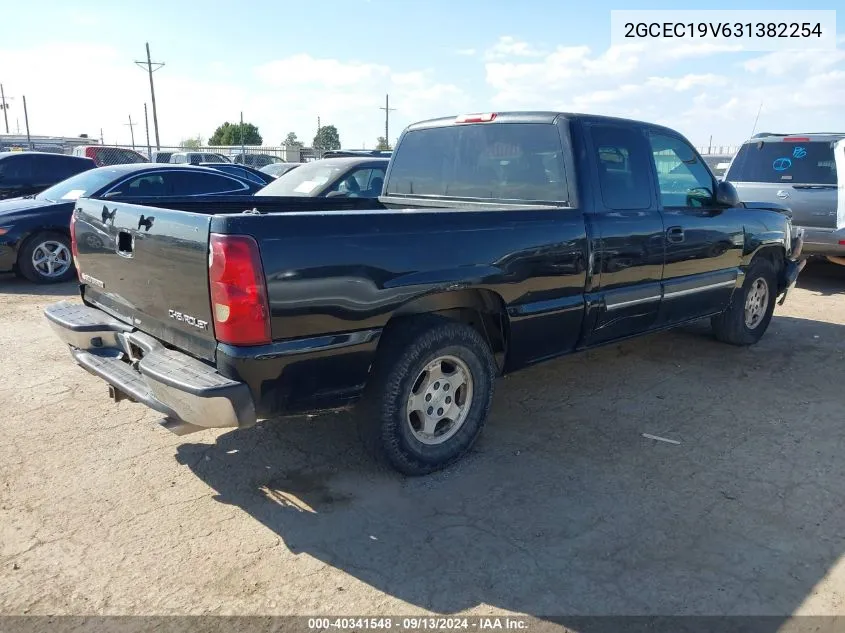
(500, 240)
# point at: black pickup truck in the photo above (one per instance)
(500, 240)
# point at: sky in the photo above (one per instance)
(284, 64)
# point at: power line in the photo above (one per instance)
(150, 70)
(387, 110)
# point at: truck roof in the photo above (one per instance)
(813, 136)
(537, 116)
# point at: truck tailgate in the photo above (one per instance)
(148, 267)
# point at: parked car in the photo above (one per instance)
(104, 155)
(500, 240)
(332, 177)
(195, 158)
(351, 153)
(718, 163)
(162, 156)
(242, 171)
(35, 239)
(255, 160)
(277, 169)
(803, 172)
(27, 173)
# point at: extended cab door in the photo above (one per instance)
(629, 245)
(703, 241)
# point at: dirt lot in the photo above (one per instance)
(563, 507)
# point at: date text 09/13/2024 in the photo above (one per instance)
(424, 623)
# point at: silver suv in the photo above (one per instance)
(804, 173)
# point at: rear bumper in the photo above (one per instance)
(824, 242)
(183, 389)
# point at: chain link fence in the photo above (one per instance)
(250, 155)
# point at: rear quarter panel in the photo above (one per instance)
(347, 271)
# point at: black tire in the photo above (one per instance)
(29, 271)
(730, 326)
(405, 351)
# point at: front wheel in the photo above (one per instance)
(45, 258)
(750, 311)
(429, 395)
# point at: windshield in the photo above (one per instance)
(770, 161)
(83, 184)
(277, 169)
(306, 180)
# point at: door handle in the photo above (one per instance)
(675, 234)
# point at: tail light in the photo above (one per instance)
(74, 248)
(476, 118)
(239, 303)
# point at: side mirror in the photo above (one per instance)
(726, 194)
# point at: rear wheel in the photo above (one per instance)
(750, 311)
(429, 395)
(45, 258)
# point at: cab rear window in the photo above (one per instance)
(806, 163)
(499, 162)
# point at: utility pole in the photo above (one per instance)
(102, 142)
(147, 128)
(243, 149)
(26, 121)
(150, 70)
(131, 130)
(4, 106)
(387, 110)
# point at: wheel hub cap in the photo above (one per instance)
(51, 259)
(756, 303)
(440, 400)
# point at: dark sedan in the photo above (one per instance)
(27, 173)
(331, 177)
(35, 231)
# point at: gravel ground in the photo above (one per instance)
(562, 508)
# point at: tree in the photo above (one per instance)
(231, 133)
(191, 143)
(291, 140)
(83, 136)
(327, 138)
(382, 143)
